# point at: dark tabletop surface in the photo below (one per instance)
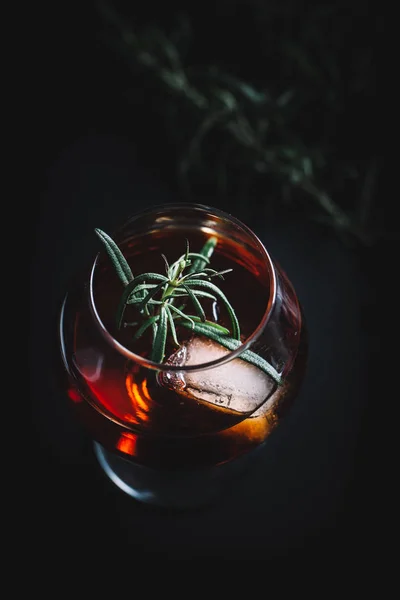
(321, 481)
(306, 490)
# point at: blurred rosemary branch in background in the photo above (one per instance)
(283, 135)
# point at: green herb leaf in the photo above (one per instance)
(166, 263)
(148, 323)
(142, 287)
(213, 288)
(216, 326)
(213, 273)
(180, 293)
(151, 295)
(196, 303)
(181, 314)
(172, 325)
(117, 258)
(158, 350)
(128, 290)
(205, 253)
(200, 256)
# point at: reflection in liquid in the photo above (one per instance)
(89, 363)
(140, 398)
(127, 443)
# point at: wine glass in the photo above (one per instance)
(176, 427)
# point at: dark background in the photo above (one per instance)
(102, 153)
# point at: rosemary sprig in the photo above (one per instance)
(188, 279)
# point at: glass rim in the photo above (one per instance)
(230, 355)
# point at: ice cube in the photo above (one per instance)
(236, 385)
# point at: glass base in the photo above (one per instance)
(172, 489)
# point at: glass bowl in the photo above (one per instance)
(179, 431)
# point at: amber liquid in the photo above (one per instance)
(125, 406)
